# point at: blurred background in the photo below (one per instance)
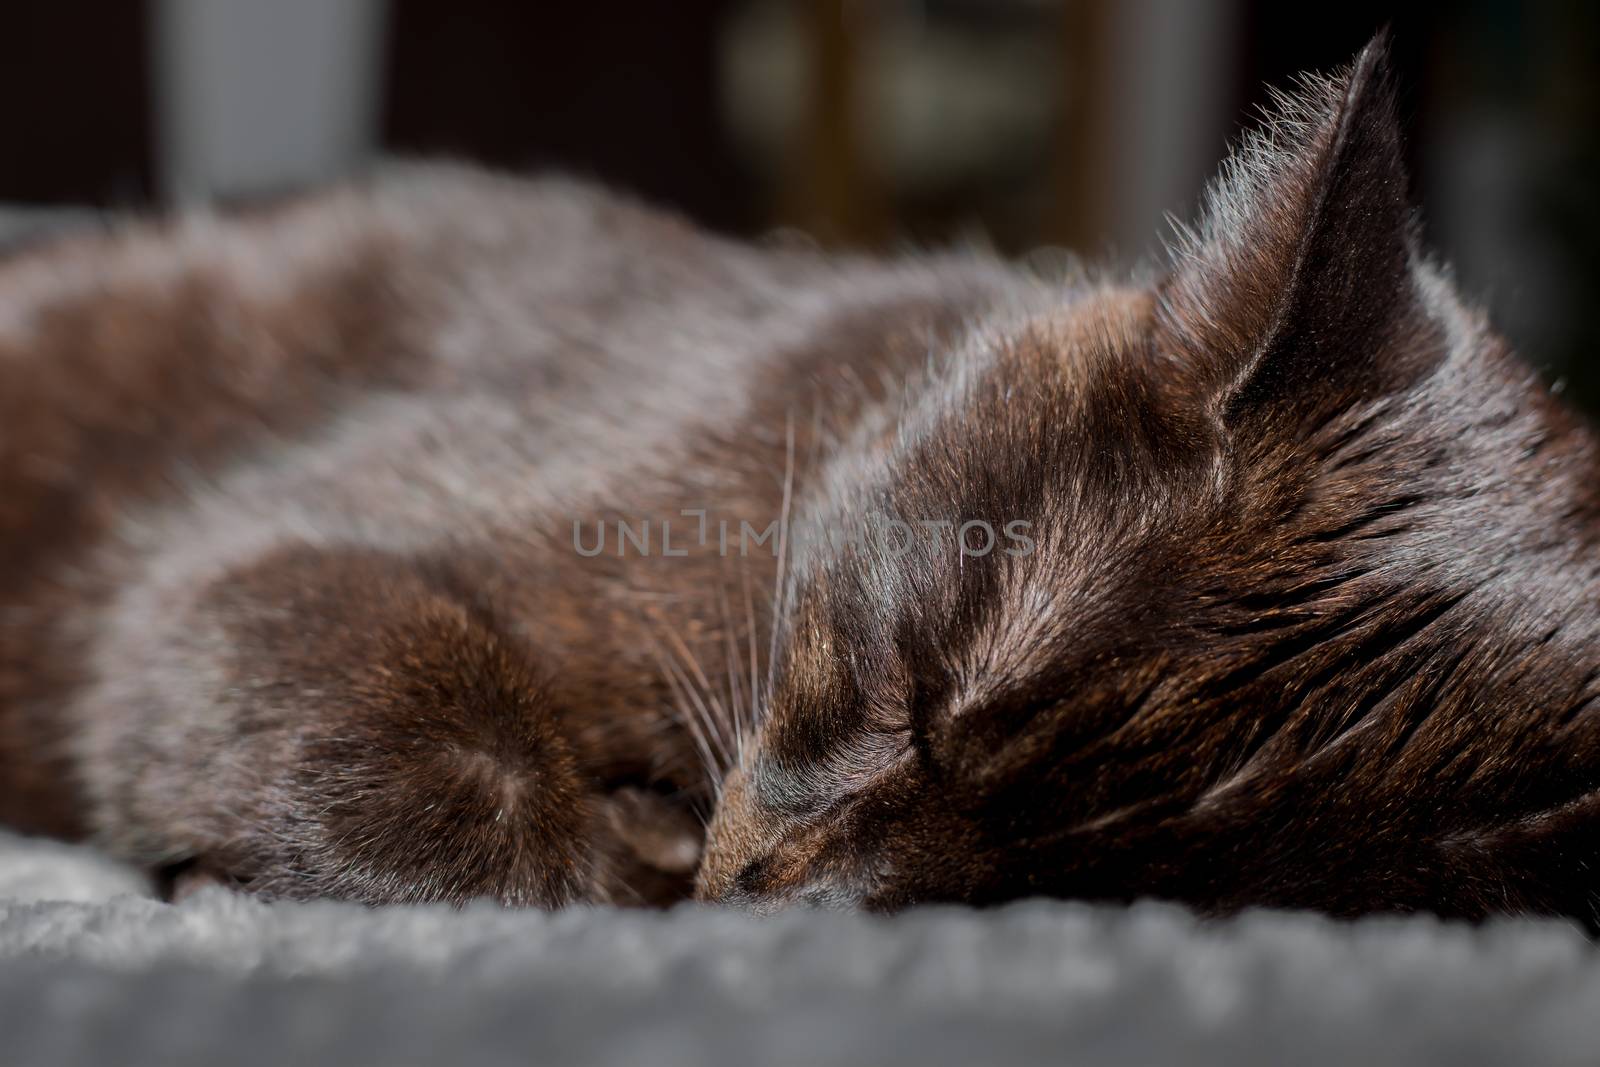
(1034, 125)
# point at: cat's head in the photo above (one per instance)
(1279, 601)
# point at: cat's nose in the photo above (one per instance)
(764, 887)
(825, 895)
(749, 887)
(753, 863)
(834, 896)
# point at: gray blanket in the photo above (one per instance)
(94, 971)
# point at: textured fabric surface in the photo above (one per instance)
(94, 971)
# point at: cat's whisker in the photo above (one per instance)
(685, 711)
(735, 688)
(750, 631)
(715, 714)
(696, 689)
(783, 546)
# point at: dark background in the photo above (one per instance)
(1024, 123)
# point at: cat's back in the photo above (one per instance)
(125, 352)
(129, 354)
(423, 248)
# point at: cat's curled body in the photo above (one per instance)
(297, 515)
(300, 500)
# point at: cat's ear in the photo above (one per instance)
(1296, 284)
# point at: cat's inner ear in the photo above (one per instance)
(1297, 283)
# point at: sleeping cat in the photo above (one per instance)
(455, 536)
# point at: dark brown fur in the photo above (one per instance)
(292, 598)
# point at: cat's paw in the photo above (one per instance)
(648, 847)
